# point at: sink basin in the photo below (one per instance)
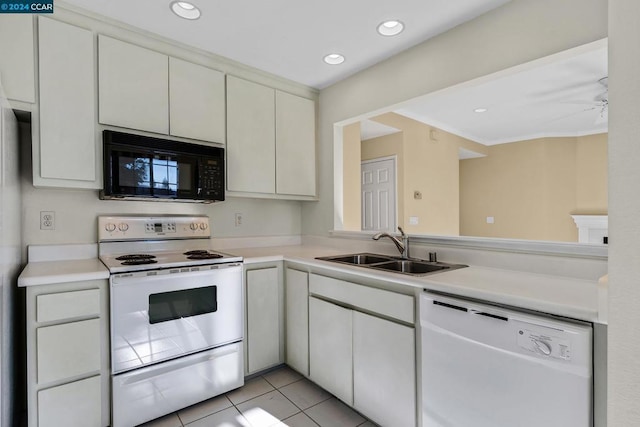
(358, 259)
(410, 267)
(414, 267)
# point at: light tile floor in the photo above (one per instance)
(280, 398)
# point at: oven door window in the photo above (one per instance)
(158, 175)
(184, 303)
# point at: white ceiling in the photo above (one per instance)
(289, 38)
(560, 97)
(370, 129)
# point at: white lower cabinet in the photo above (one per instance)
(297, 320)
(264, 317)
(330, 348)
(362, 348)
(68, 355)
(384, 374)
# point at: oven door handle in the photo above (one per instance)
(176, 364)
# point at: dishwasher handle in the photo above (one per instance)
(470, 311)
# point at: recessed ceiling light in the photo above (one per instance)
(334, 59)
(480, 110)
(390, 28)
(185, 10)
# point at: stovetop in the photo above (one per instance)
(139, 243)
(129, 262)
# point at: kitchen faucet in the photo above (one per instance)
(403, 246)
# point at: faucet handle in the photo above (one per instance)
(401, 231)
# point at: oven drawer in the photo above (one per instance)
(154, 391)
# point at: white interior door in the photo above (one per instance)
(379, 194)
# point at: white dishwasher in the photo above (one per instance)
(487, 366)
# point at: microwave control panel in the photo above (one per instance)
(212, 179)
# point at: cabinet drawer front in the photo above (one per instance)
(67, 305)
(77, 404)
(385, 303)
(68, 350)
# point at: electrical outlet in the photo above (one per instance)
(47, 220)
(238, 219)
(490, 220)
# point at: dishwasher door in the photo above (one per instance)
(486, 366)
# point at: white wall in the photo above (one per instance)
(624, 214)
(76, 213)
(518, 32)
(10, 256)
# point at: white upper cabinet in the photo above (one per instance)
(295, 145)
(66, 145)
(133, 85)
(251, 146)
(196, 101)
(150, 91)
(270, 141)
(17, 70)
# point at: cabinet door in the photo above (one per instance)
(196, 101)
(330, 351)
(263, 319)
(251, 147)
(384, 370)
(67, 148)
(17, 68)
(133, 86)
(295, 145)
(76, 404)
(297, 323)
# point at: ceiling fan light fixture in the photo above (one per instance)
(185, 10)
(334, 59)
(480, 110)
(390, 28)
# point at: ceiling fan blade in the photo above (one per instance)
(603, 117)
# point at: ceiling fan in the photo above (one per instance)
(599, 103)
(602, 101)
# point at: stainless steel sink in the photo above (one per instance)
(414, 267)
(411, 267)
(358, 259)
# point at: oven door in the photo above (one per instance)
(163, 314)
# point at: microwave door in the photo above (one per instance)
(165, 176)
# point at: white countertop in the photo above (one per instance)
(563, 296)
(50, 272)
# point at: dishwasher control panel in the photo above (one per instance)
(545, 345)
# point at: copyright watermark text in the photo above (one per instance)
(26, 6)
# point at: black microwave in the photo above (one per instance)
(146, 168)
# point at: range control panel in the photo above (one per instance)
(152, 227)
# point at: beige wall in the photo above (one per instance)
(591, 175)
(351, 177)
(428, 163)
(531, 188)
